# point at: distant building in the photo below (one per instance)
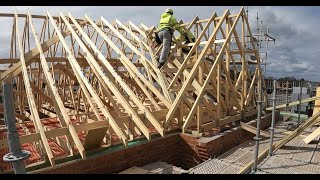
(288, 90)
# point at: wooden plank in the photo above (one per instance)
(183, 65)
(192, 74)
(81, 127)
(248, 98)
(312, 136)
(218, 94)
(216, 63)
(16, 68)
(170, 70)
(41, 93)
(243, 68)
(145, 60)
(85, 84)
(57, 132)
(189, 88)
(128, 63)
(229, 86)
(55, 94)
(253, 130)
(289, 132)
(66, 71)
(148, 114)
(94, 138)
(161, 79)
(36, 59)
(202, 43)
(206, 20)
(97, 124)
(209, 126)
(31, 100)
(296, 102)
(29, 138)
(228, 56)
(237, 117)
(23, 139)
(111, 86)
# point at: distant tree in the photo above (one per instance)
(288, 78)
(270, 77)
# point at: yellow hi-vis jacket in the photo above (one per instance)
(169, 21)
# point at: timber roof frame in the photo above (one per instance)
(101, 79)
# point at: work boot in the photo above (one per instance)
(160, 65)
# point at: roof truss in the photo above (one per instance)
(82, 83)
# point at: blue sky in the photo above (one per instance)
(295, 53)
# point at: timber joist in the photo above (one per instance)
(83, 83)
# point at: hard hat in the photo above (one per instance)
(169, 10)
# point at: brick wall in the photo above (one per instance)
(163, 149)
(188, 152)
(181, 150)
(201, 149)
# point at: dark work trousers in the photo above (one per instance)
(165, 36)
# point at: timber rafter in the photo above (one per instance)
(99, 84)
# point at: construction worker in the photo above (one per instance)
(187, 39)
(168, 24)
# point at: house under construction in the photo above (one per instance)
(88, 96)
